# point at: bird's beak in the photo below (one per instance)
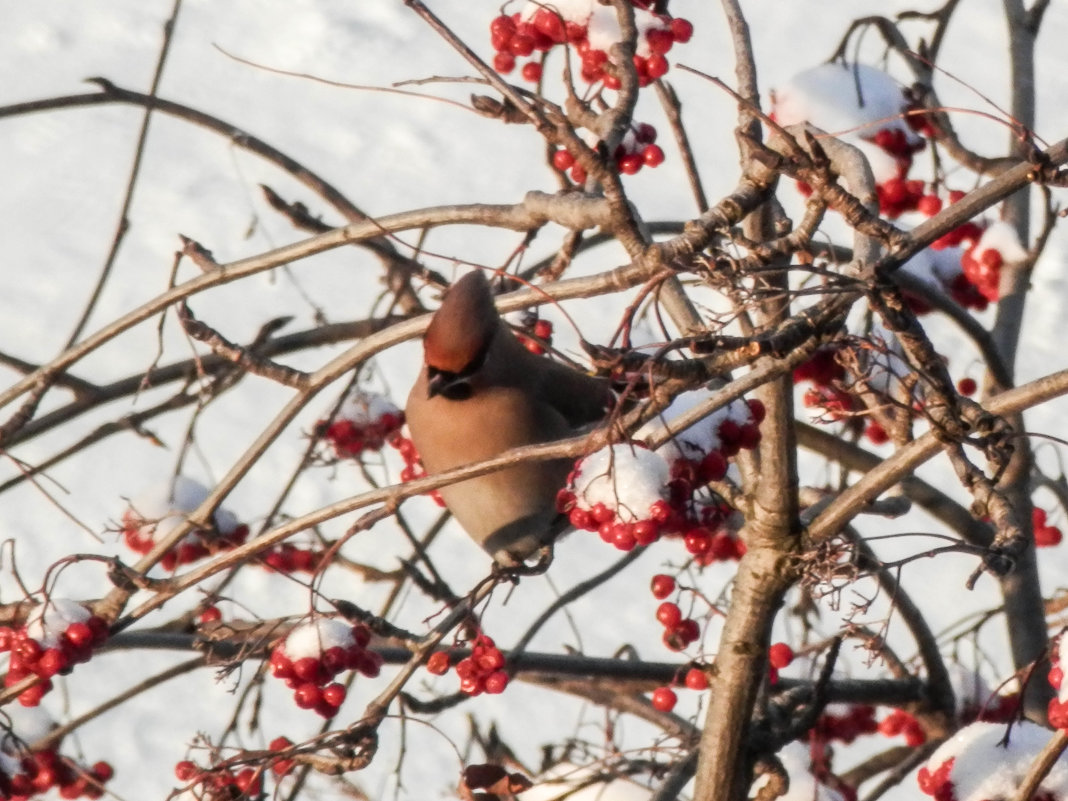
(435, 385)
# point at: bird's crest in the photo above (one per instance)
(461, 331)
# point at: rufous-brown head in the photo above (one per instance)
(459, 336)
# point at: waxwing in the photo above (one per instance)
(480, 393)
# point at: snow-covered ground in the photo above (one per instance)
(64, 174)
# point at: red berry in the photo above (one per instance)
(662, 586)
(308, 695)
(562, 160)
(102, 771)
(307, 668)
(543, 329)
(521, 45)
(780, 655)
(185, 771)
(668, 614)
(688, 630)
(79, 633)
(51, 662)
(645, 532)
(503, 25)
(630, 163)
(681, 29)
(32, 696)
(496, 682)
(664, 699)
(551, 25)
(504, 62)
(967, 386)
(656, 67)
(653, 155)
(602, 514)
(756, 410)
(659, 40)
(531, 71)
(929, 205)
(334, 694)
(210, 615)
(696, 679)
(248, 782)
(438, 663)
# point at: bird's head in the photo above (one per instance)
(459, 337)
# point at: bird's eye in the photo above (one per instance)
(457, 391)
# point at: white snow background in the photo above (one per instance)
(63, 176)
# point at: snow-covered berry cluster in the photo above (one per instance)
(867, 108)
(989, 762)
(591, 29)
(27, 773)
(155, 513)
(220, 783)
(482, 671)
(619, 492)
(413, 468)
(632, 496)
(58, 635)
(317, 651)
(1058, 707)
(363, 422)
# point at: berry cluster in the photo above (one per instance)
(664, 699)
(632, 496)
(413, 468)
(281, 767)
(1045, 534)
(854, 721)
(158, 511)
(830, 397)
(38, 772)
(637, 149)
(287, 558)
(901, 722)
(591, 29)
(482, 671)
(679, 632)
(57, 636)
(535, 333)
(364, 422)
(219, 784)
(982, 268)
(1058, 706)
(899, 194)
(314, 653)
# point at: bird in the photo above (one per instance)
(481, 392)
